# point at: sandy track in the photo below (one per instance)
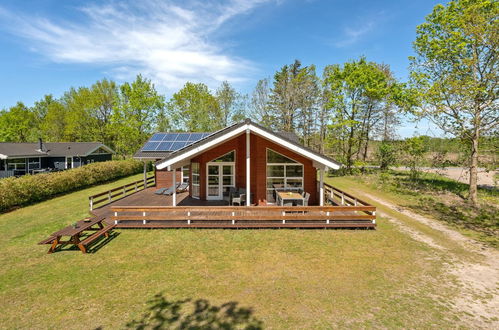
(478, 301)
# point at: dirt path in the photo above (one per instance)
(478, 302)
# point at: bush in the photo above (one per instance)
(33, 188)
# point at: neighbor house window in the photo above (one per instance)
(282, 173)
(34, 163)
(195, 179)
(17, 164)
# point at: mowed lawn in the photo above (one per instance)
(238, 278)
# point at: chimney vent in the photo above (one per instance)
(40, 144)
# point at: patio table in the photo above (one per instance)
(289, 195)
(75, 233)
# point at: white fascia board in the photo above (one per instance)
(103, 146)
(294, 147)
(201, 148)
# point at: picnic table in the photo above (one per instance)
(76, 232)
(289, 195)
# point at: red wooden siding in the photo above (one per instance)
(164, 178)
(258, 166)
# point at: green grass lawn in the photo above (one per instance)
(236, 278)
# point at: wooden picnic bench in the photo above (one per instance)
(75, 233)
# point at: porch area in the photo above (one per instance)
(145, 209)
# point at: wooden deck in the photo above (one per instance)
(144, 209)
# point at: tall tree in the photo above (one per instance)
(17, 124)
(103, 100)
(293, 97)
(195, 109)
(455, 71)
(260, 104)
(135, 117)
(231, 104)
(355, 91)
(51, 118)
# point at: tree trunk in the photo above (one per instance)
(473, 195)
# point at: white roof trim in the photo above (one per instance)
(293, 147)
(269, 136)
(201, 148)
(2, 156)
(111, 151)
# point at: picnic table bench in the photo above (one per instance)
(76, 232)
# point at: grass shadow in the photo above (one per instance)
(194, 314)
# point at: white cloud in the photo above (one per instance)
(169, 43)
(356, 31)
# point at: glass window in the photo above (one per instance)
(227, 169)
(33, 163)
(195, 179)
(294, 170)
(227, 180)
(185, 174)
(228, 157)
(275, 170)
(16, 164)
(275, 157)
(283, 173)
(213, 170)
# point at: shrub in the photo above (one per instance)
(33, 188)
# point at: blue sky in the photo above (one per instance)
(48, 46)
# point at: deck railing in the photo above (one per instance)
(113, 195)
(243, 216)
(340, 197)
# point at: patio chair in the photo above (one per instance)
(305, 201)
(160, 191)
(241, 200)
(170, 190)
(183, 187)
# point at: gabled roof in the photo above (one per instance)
(236, 129)
(50, 149)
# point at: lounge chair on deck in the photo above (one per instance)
(183, 187)
(160, 191)
(170, 190)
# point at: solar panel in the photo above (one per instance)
(165, 142)
(195, 137)
(170, 137)
(164, 146)
(150, 146)
(178, 145)
(157, 137)
(183, 137)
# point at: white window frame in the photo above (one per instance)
(39, 164)
(198, 185)
(185, 178)
(66, 162)
(15, 165)
(221, 184)
(285, 178)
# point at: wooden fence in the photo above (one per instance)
(340, 197)
(243, 216)
(113, 195)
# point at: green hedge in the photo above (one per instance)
(33, 188)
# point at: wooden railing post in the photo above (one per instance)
(342, 198)
(91, 203)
